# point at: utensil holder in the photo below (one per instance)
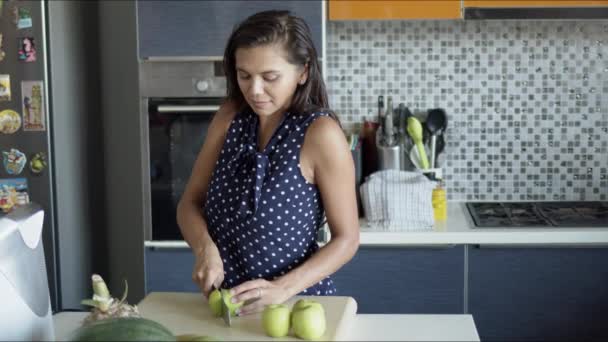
(389, 157)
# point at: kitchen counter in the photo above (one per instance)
(364, 327)
(457, 230)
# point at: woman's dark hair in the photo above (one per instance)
(272, 27)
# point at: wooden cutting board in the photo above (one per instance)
(189, 313)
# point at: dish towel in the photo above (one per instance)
(395, 200)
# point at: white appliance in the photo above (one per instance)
(25, 313)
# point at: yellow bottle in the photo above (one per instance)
(440, 205)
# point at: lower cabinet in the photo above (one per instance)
(169, 270)
(532, 294)
(417, 280)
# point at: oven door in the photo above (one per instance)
(177, 130)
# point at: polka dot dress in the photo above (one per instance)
(261, 212)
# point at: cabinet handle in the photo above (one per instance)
(425, 246)
(166, 244)
(540, 245)
(187, 108)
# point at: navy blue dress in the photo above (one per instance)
(261, 212)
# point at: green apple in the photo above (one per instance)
(215, 302)
(275, 320)
(308, 319)
(231, 306)
(298, 305)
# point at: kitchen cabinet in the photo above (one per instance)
(557, 293)
(169, 270)
(405, 280)
(202, 28)
(532, 3)
(398, 9)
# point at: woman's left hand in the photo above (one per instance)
(257, 294)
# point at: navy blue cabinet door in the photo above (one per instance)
(405, 280)
(531, 294)
(169, 270)
(202, 28)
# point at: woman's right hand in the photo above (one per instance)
(208, 269)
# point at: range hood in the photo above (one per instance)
(490, 13)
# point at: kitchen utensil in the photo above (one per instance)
(388, 138)
(414, 129)
(381, 110)
(26, 313)
(186, 313)
(440, 146)
(414, 156)
(436, 122)
(403, 113)
(225, 308)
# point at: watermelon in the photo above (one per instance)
(123, 329)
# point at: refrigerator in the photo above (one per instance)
(50, 136)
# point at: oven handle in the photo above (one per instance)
(187, 108)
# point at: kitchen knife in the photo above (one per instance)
(225, 309)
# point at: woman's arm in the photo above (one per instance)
(334, 173)
(209, 267)
(325, 149)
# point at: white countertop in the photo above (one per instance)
(365, 327)
(458, 230)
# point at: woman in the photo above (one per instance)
(274, 161)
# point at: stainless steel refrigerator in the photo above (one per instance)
(50, 135)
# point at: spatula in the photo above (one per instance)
(414, 129)
(436, 123)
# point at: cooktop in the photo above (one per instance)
(539, 214)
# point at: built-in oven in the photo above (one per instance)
(181, 99)
(177, 130)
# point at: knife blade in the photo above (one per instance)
(225, 309)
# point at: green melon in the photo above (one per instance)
(123, 329)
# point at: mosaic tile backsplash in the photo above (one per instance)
(527, 101)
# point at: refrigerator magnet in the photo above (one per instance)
(5, 87)
(38, 163)
(10, 121)
(14, 161)
(2, 53)
(23, 18)
(33, 105)
(13, 192)
(27, 49)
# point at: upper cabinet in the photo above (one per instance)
(399, 9)
(531, 3)
(466, 9)
(202, 28)
(556, 9)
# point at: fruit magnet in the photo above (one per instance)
(27, 49)
(5, 87)
(10, 121)
(23, 18)
(13, 161)
(38, 162)
(2, 53)
(33, 105)
(13, 192)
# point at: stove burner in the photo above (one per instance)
(539, 214)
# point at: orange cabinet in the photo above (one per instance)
(398, 9)
(532, 3)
